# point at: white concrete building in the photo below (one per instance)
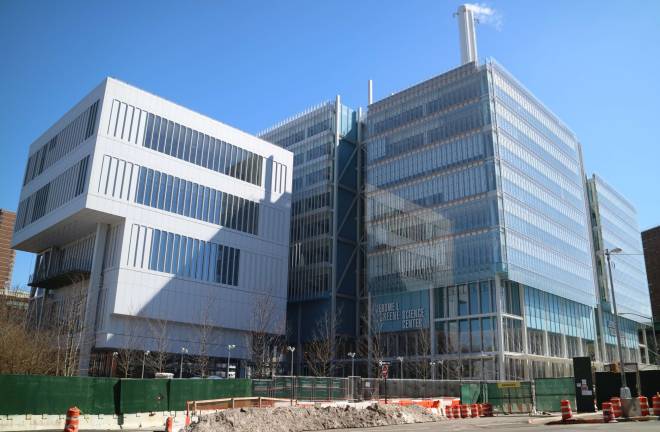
(148, 213)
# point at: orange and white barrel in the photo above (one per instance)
(72, 419)
(608, 417)
(616, 407)
(464, 411)
(566, 412)
(449, 412)
(655, 404)
(474, 411)
(643, 405)
(488, 409)
(456, 411)
(480, 410)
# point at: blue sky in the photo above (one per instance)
(251, 64)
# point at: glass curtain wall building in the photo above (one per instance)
(323, 259)
(614, 223)
(478, 239)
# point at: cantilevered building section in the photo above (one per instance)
(324, 255)
(614, 222)
(156, 228)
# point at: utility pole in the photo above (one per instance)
(625, 390)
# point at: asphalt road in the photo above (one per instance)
(513, 424)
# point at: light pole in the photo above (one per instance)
(401, 365)
(291, 349)
(625, 391)
(184, 350)
(229, 348)
(114, 361)
(144, 359)
(433, 370)
(352, 356)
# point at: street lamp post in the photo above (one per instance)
(291, 349)
(401, 365)
(352, 356)
(229, 348)
(432, 370)
(144, 359)
(184, 350)
(114, 361)
(625, 390)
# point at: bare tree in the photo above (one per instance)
(65, 317)
(319, 352)
(157, 359)
(372, 344)
(205, 339)
(128, 353)
(422, 366)
(265, 336)
(23, 350)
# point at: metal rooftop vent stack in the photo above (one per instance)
(467, 34)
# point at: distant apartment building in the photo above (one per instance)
(168, 229)
(324, 256)
(614, 224)
(7, 254)
(651, 244)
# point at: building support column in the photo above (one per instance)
(500, 328)
(646, 345)
(88, 338)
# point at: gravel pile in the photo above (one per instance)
(298, 419)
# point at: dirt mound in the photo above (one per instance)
(298, 419)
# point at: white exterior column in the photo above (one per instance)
(89, 323)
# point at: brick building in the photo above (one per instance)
(7, 254)
(651, 243)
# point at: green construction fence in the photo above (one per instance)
(520, 397)
(37, 394)
(550, 392)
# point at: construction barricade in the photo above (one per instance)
(608, 417)
(566, 412)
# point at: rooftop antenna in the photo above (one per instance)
(370, 96)
(467, 35)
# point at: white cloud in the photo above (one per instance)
(486, 15)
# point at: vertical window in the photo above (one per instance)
(168, 193)
(142, 178)
(475, 334)
(175, 254)
(217, 209)
(462, 300)
(193, 200)
(153, 200)
(167, 268)
(486, 297)
(237, 260)
(474, 298)
(149, 131)
(168, 138)
(452, 301)
(439, 302)
(161, 191)
(153, 255)
(205, 204)
(161, 135)
(175, 195)
(162, 248)
(175, 140)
